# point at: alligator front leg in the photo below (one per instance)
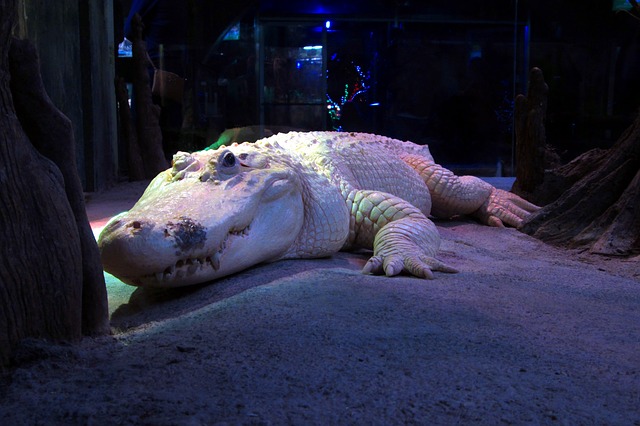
(402, 237)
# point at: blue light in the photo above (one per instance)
(327, 24)
(622, 5)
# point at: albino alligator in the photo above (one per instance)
(296, 195)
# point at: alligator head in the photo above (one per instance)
(212, 214)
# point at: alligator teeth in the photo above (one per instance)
(168, 273)
(191, 265)
(238, 232)
(215, 261)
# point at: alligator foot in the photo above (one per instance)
(408, 245)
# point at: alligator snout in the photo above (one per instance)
(136, 246)
(186, 233)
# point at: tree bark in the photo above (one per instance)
(593, 201)
(601, 210)
(147, 113)
(51, 283)
(134, 157)
(51, 133)
(535, 159)
(530, 112)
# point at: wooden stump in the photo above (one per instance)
(601, 209)
(593, 201)
(134, 156)
(51, 282)
(530, 112)
(149, 134)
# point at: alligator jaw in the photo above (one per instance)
(190, 270)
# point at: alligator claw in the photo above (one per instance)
(505, 208)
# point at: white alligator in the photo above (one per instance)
(296, 195)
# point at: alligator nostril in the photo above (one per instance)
(135, 224)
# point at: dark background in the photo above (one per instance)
(436, 72)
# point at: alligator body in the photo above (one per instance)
(296, 195)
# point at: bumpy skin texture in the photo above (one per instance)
(297, 195)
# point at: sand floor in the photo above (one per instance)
(525, 333)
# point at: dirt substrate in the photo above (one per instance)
(525, 333)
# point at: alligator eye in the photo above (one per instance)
(229, 160)
(226, 165)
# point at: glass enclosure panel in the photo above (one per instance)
(293, 76)
(450, 85)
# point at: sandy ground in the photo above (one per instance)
(524, 334)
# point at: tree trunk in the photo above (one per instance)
(147, 113)
(601, 210)
(50, 132)
(51, 282)
(534, 158)
(593, 201)
(134, 157)
(530, 112)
